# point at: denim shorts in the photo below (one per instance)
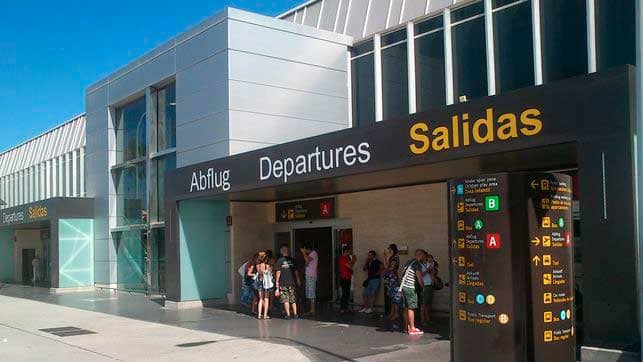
(372, 286)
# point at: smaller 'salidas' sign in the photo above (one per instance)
(305, 210)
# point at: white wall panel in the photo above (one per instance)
(284, 73)
(286, 45)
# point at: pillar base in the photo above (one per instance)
(193, 304)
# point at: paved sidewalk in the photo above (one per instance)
(132, 328)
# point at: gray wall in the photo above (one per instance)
(243, 81)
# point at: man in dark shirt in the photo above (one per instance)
(373, 267)
(286, 277)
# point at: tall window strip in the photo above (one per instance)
(74, 173)
(615, 33)
(363, 84)
(2, 192)
(513, 44)
(469, 52)
(61, 178)
(67, 175)
(430, 64)
(82, 172)
(54, 177)
(563, 35)
(395, 88)
(43, 178)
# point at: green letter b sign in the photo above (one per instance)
(492, 203)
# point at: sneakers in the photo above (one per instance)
(367, 311)
(415, 332)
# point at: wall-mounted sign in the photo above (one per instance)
(498, 243)
(305, 210)
(15, 217)
(37, 212)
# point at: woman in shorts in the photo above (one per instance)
(392, 282)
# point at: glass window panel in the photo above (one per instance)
(130, 260)
(159, 167)
(363, 90)
(429, 71)
(513, 46)
(615, 33)
(131, 131)
(362, 48)
(75, 253)
(166, 118)
(157, 264)
(469, 59)
(428, 25)
(467, 12)
(394, 37)
(395, 82)
(131, 190)
(564, 38)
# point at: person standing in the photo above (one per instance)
(429, 272)
(373, 268)
(262, 275)
(345, 265)
(35, 266)
(411, 274)
(392, 283)
(287, 276)
(311, 257)
(391, 257)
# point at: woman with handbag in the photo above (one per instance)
(264, 284)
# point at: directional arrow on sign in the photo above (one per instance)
(536, 260)
(535, 241)
(534, 184)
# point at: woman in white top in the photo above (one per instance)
(261, 272)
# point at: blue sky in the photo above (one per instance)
(50, 51)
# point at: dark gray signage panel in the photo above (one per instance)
(549, 216)
(487, 320)
(511, 268)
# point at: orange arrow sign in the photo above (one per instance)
(536, 260)
(534, 184)
(535, 241)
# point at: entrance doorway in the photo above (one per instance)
(28, 256)
(321, 240)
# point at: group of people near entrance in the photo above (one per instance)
(404, 291)
(266, 279)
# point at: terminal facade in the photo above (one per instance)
(189, 158)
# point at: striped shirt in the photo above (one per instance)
(408, 279)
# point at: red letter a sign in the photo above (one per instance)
(493, 241)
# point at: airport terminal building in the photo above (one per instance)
(337, 123)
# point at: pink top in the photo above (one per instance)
(311, 266)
